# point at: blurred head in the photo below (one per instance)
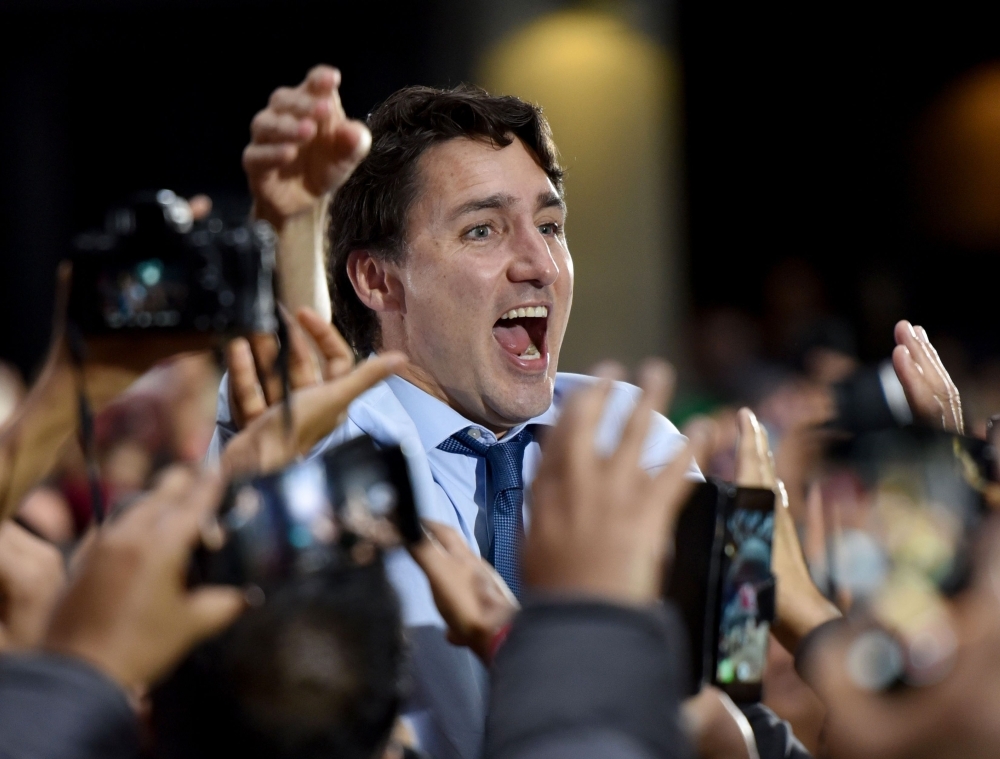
(315, 671)
(448, 244)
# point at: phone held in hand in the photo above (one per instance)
(340, 508)
(722, 583)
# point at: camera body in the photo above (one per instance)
(155, 269)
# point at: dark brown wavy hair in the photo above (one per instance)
(369, 212)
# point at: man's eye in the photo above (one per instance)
(479, 233)
(552, 228)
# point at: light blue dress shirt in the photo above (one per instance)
(450, 487)
(448, 709)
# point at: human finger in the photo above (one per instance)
(211, 609)
(302, 368)
(174, 482)
(655, 382)
(142, 517)
(322, 79)
(940, 372)
(329, 90)
(319, 406)
(269, 127)
(946, 384)
(573, 436)
(707, 427)
(658, 365)
(338, 358)
(265, 353)
(185, 519)
(764, 455)
(919, 393)
(751, 466)
(609, 369)
(260, 158)
(921, 356)
(246, 398)
(296, 102)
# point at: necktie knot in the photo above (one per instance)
(505, 484)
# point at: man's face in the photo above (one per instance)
(486, 250)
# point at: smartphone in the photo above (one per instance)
(694, 577)
(722, 585)
(745, 604)
(307, 517)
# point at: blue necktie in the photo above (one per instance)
(504, 462)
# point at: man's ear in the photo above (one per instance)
(374, 281)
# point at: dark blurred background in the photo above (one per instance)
(819, 171)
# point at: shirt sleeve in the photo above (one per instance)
(55, 706)
(225, 429)
(773, 735)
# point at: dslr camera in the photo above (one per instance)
(155, 269)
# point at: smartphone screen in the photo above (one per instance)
(746, 593)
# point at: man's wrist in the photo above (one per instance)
(266, 212)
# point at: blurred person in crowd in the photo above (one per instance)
(447, 242)
(317, 670)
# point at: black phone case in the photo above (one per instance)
(693, 579)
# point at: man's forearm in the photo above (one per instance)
(302, 261)
(54, 706)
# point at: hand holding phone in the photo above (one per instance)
(344, 506)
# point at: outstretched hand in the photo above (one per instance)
(265, 445)
(302, 147)
(800, 605)
(473, 599)
(602, 526)
(254, 382)
(933, 397)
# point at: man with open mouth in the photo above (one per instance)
(448, 243)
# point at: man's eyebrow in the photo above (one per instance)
(550, 200)
(497, 200)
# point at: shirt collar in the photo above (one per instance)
(436, 421)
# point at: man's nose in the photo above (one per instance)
(533, 261)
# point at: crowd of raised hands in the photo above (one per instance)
(601, 530)
(601, 526)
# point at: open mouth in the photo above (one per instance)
(521, 332)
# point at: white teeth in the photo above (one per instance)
(531, 352)
(534, 311)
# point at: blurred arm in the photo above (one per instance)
(55, 706)
(582, 679)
